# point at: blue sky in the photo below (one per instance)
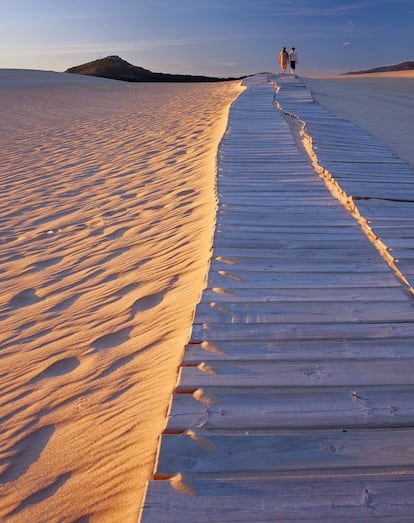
(213, 37)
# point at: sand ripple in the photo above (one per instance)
(106, 218)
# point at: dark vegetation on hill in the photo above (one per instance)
(116, 68)
(403, 66)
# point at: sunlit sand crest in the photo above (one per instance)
(107, 217)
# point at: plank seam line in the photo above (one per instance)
(367, 198)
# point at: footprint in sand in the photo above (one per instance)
(45, 264)
(112, 340)
(117, 234)
(24, 299)
(128, 196)
(187, 192)
(118, 393)
(118, 364)
(25, 452)
(42, 494)
(114, 254)
(146, 303)
(58, 368)
(64, 304)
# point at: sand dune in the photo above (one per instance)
(107, 213)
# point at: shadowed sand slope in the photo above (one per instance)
(107, 214)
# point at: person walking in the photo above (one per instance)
(283, 60)
(293, 59)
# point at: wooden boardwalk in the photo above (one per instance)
(376, 184)
(295, 399)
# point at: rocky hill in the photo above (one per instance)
(116, 68)
(402, 66)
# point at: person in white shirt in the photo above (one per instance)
(293, 59)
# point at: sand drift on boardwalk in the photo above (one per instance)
(107, 214)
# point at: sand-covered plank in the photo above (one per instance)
(223, 244)
(321, 451)
(254, 263)
(235, 279)
(215, 332)
(315, 312)
(216, 409)
(298, 251)
(296, 374)
(385, 348)
(317, 235)
(331, 499)
(226, 293)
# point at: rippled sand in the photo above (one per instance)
(107, 213)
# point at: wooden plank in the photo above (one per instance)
(330, 160)
(276, 243)
(391, 222)
(226, 294)
(252, 234)
(294, 312)
(286, 216)
(376, 190)
(406, 266)
(385, 178)
(296, 374)
(312, 210)
(270, 200)
(300, 452)
(238, 279)
(406, 253)
(216, 410)
(287, 264)
(393, 170)
(215, 332)
(300, 499)
(399, 243)
(389, 347)
(385, 209)
(264, 188)
(403, 228)
(274, 226)
(313, 252)
(248, 178)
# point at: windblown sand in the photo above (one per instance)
(107, 214)
(381, 103)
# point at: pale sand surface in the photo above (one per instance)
(382, 104)
(107, 214)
